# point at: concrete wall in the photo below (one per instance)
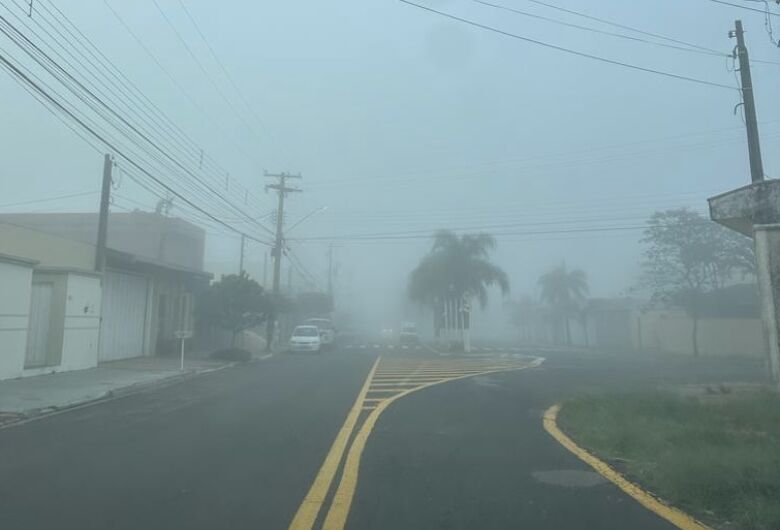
(15, 282)
(671, 331)
(47, 249)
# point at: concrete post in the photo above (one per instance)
(767, 241)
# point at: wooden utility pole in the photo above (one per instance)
(241, 259)
(281, 188)
(265, 270)
(330, 270)
(751, 123)
(105, 199)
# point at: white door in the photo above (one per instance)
(123, 321)
(38, 343)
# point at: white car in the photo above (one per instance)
(409, 334)
(327, 331)
(305, 338)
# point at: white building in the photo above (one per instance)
(57, 314)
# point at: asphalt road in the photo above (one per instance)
(241, 448)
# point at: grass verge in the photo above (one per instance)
(717, 460)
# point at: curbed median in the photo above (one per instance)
(713, 458)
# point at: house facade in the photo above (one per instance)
(63, 315)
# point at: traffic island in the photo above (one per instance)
(715, 456)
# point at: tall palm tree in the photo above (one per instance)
(563, 291)
(456, 266)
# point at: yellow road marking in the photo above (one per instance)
(310, 507)
(394, 383)
(342, 500)
(673, 515)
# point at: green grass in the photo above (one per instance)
(718, 460)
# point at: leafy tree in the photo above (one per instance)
(234, 303)
(688, 256)
(456, 266)
(564, 291)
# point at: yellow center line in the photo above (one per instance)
(337, 515)
(312, 503)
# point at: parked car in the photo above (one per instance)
(325, 326)
(305, 338)
(409, 334)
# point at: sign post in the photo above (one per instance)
(181, 335)
(466, 313)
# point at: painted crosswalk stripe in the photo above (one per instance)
(391, 347)
(362, 346)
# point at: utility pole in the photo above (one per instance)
(754, 146)
(105, 198)
(241, 259)
(330, 270)
(754, 211)
(265, 270)
(281, 188)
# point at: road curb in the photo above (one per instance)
(136, 388)
(675, 516)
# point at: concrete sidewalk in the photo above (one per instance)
(31, 396)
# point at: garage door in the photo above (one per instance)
(123, 323)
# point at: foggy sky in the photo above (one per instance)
(401, 120)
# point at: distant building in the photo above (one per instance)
(62, 315)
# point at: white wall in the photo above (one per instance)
(82, 323)
(670, 331)
(15, 285)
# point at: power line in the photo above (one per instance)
(567, 50)
(173, 79)
(687, 48)
(401, 236)
(480, 228)
(49, 199)
(302, 270)
(763, 12)
(124, 84)
(224, 69)
(93, 69)
(99, 106)
(17, 72)
(201, 67)
(624, 26)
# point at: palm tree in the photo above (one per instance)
(456, 267)
(563, 291)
